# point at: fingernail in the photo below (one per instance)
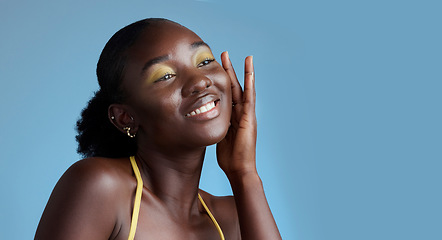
(227, 53)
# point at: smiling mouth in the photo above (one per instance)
(205, 108)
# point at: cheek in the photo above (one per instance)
(155, 110)
(222, 82)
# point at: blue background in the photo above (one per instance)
(349, 106)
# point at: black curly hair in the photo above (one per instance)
(96, 134)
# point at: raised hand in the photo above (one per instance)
(236, 152)
(236, 157)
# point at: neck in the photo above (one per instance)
(173, 177)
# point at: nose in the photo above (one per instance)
(195, 84)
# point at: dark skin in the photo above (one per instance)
(94, 198)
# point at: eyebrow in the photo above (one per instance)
(167, 57)
(154, 61)
(199, 44)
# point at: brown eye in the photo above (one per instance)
(206, 62)
(166, 76)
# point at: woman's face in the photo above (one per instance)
(180, 96)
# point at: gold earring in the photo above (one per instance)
(127, 129)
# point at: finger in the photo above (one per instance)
(236, 87)
(249, 86)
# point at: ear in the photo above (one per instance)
(120, 116)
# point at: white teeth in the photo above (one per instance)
(202, 109)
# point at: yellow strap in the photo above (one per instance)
(211, 217)
(136, 210)
(138, 193)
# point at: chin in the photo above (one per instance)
(214, 135)
(210, 134)
(206, 133)
(218, 136)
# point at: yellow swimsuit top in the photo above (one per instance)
(137, 202)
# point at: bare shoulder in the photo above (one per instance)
(105, 173)
(224, 210)
(97, 177)
(85, 200)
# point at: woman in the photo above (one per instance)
(163, 98)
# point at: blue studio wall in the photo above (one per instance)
(348, 103)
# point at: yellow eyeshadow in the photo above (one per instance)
(202, 56)
(158, 73)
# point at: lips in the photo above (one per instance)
(205, 108)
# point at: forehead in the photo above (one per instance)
(161, 38)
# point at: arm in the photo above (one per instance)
(80, 206)
(236, 157)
